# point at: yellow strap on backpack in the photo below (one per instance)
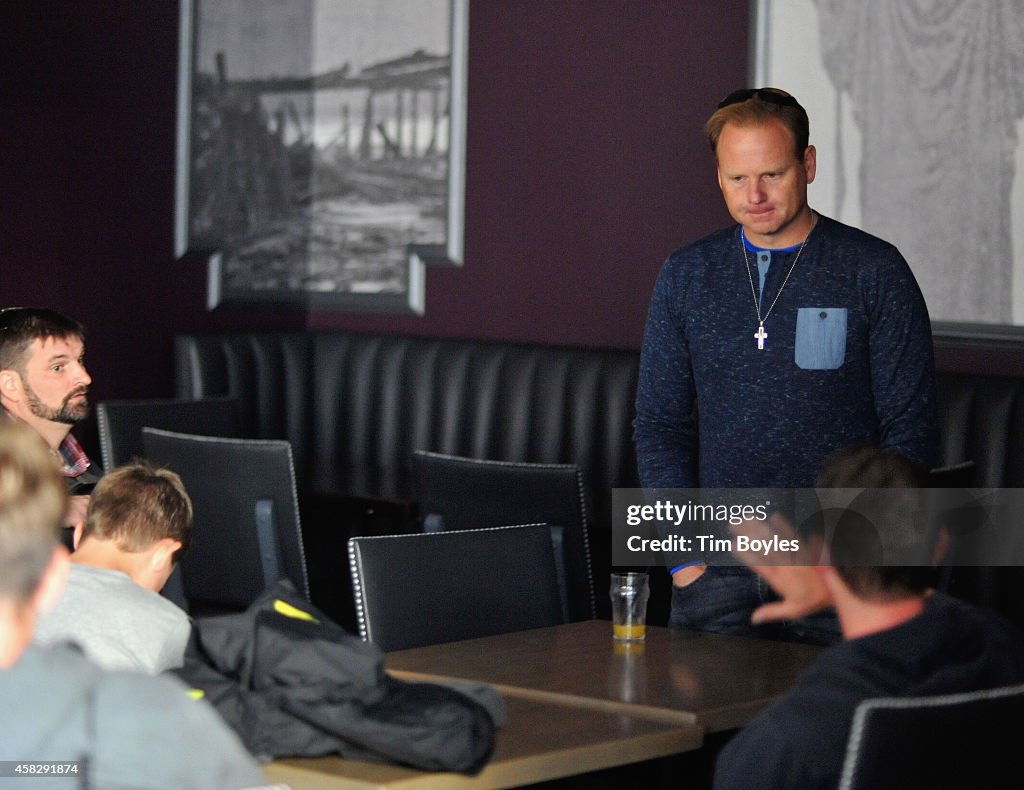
(282, 607)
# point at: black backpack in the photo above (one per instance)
(292, 683)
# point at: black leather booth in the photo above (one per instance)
(354, 406)
(981, 419)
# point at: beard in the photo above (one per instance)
(67, 413)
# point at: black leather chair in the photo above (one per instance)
(436, 587)
(453, 492)
(954, 740)
(247, 532)
(120, 423)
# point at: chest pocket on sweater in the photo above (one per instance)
(820, 337)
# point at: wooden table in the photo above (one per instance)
(539, 741)
(716, 682)
(578, 701)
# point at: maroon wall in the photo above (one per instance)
(586, 166)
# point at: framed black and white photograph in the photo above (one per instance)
(917, 112)
(321, 148)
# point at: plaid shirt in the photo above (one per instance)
(73, 460)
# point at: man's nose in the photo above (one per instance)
(83, 376)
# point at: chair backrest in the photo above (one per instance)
(435, 587)
(247, 532)
(121, 422)
(454, 492)
(953, 740)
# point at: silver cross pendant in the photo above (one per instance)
(760, 335)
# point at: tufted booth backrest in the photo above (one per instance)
(270, 375)
(982, 419)
(355, 406)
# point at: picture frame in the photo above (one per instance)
(321, 149)
(898, 153)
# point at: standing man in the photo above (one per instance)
(791, 334)
(44, 383)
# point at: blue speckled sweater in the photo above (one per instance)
(848, 360)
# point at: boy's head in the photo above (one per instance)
(32, 561)
(142, 511)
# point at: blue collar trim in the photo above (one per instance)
(755, 248)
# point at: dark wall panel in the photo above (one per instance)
(586, 166)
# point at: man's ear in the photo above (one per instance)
(55, 579)
(10, 384)
(832, 580)
(76, 536)
(810, 163)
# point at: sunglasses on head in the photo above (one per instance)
(770, 95)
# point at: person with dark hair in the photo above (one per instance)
(901, 638)
(791, 334)
(138, 524)
(112, 729)
(44, 383)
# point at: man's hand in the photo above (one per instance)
(688, 575)
(801, 587)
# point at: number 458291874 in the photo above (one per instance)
(40, 768)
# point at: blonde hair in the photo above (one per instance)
(138, 504)
(757, 108)
(32, 502)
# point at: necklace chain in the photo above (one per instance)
(761, 335)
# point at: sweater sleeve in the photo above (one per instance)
(902, 363)
(664, 429)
